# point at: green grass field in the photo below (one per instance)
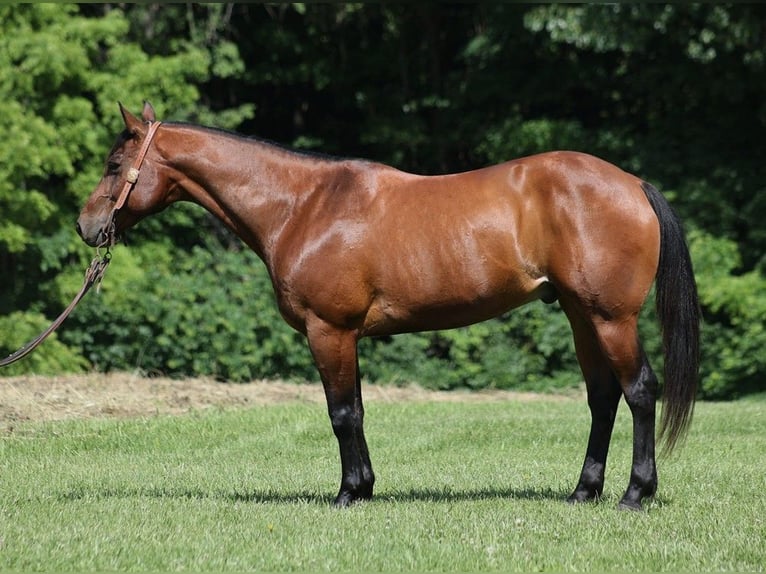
(461, 487)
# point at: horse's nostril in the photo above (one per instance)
(78, 228)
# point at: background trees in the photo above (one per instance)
(674, 93)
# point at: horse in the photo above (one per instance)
(356, 248)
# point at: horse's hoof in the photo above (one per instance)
(579, 496)
(631, 505)
(345, 499)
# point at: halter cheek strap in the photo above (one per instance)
(131, 178)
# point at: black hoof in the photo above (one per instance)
(631, 505)
(636, 494)
(583, 495)
(345, 499)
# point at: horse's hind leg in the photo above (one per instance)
(604, 394)
(641, 396)
(618, 345)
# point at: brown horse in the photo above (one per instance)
(356, 248)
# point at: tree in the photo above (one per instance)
(61, 75)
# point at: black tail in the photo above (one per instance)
(679, 314)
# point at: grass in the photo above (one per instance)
(461, 487)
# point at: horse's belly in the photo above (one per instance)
(475, 271)
(449, 306)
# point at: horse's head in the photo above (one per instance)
(133, 185)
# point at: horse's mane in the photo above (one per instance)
(264, 141)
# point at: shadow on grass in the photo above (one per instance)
(449, 495)
(90, 492)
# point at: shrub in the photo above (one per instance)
(734, 333)
(210, 312)
(529, 348)
(51, 358)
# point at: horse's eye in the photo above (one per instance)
(112, 167)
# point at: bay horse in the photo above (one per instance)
(356, 248)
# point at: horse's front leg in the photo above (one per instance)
(335, 354)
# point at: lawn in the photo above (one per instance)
(467, 486)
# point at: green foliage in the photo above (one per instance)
(529, 349)
(211, 313)
(671, 92)
(51, 358)
(61, 75)
(734, 334)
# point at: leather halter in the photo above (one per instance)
(130, 182)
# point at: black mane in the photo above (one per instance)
(283, 147)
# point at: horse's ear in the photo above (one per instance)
(148, 112)
(132, 123)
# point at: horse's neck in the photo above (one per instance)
(253, 187)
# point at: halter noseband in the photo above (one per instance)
(130, 181)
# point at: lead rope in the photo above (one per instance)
(93, 275)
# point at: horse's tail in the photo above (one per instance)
(679, 314)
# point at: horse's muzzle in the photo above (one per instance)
(93, 235)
